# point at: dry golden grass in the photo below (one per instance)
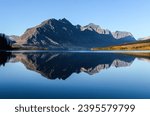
(131, 46)
(138, 54)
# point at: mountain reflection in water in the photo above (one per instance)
(53, 65)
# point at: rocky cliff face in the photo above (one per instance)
(96, 28)
(13, 37)
(61, 34)
(123, 36)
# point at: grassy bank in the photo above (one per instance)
(19, 47)
(140, 45)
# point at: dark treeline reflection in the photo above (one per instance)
(5, 57)
(61, 65)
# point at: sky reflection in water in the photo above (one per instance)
(73, 75)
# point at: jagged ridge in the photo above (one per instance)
(61, 34)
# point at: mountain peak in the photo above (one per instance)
(96, 28)
(91, 26)
(121, 34)
(54, 21)
(65, 21)
(48, 21)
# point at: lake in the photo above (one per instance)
(74, 75)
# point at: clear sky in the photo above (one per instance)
(124, 15)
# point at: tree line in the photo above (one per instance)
(5, 42)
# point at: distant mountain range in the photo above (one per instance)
(145, 38)
(61, 34)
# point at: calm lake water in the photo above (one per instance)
(74, 75)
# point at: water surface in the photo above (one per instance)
(76, 75)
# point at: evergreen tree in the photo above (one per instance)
(4, 44)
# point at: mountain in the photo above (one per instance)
(123, 36)
(61, 34)
(96, 28)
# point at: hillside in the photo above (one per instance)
(139, 45)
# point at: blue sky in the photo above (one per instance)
(124, 15)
